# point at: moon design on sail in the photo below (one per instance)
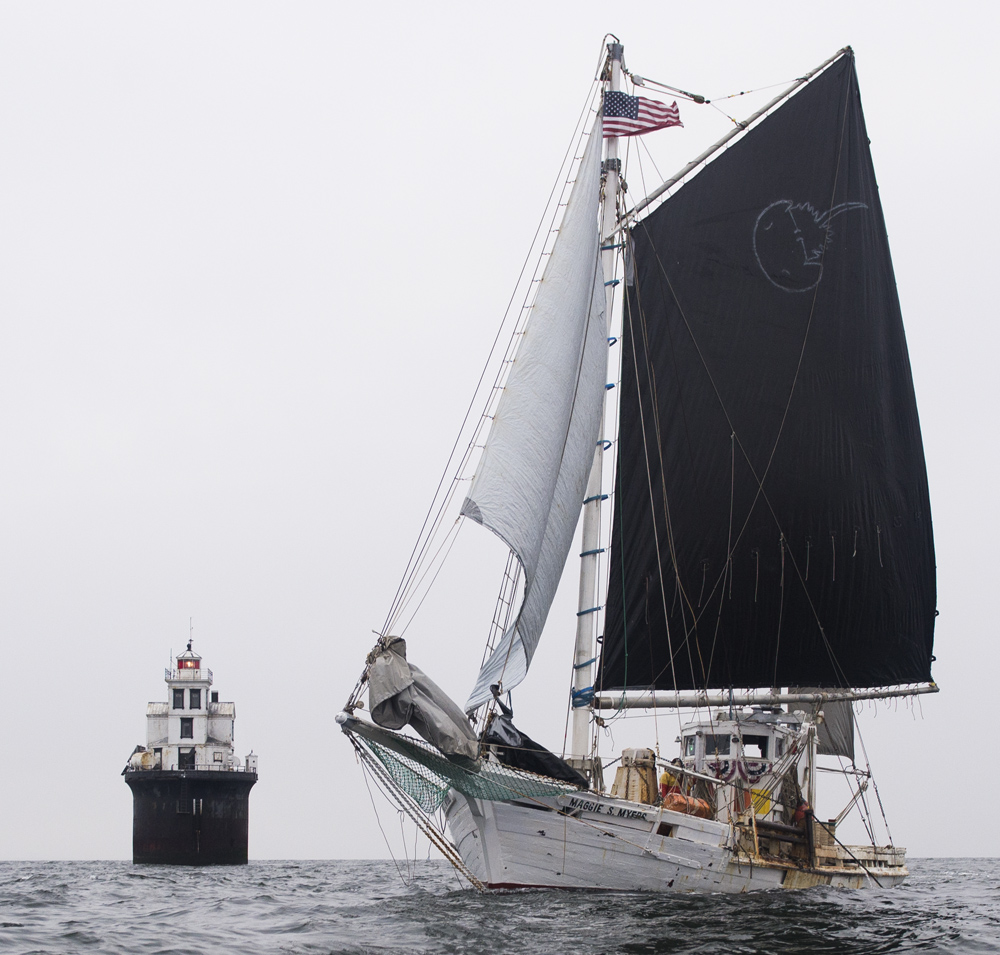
(790, 239)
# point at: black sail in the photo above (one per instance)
(772, 520)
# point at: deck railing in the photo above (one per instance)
(214, 767)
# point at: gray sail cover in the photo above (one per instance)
(532, 478)
(400, 693)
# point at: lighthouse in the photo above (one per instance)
(190, 793)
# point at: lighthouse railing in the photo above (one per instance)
(188, 674)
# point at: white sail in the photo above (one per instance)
(531, 482)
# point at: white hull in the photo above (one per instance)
(588, 841)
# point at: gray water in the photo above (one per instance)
(363, 908)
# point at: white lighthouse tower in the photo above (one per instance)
(190, 792)
(192, 730)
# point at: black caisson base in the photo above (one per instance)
(190, 817)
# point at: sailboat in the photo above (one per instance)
(771, 558)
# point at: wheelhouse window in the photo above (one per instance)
(195, 699)
(755, 747)
(178, 699)
(187, 727)
(716, 745)
(689, 742)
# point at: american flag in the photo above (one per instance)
(626, 115)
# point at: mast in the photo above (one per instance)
(583, 657)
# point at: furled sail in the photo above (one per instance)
(836, 732)
(531, 481)
(772, 518)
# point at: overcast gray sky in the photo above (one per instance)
(252, 257)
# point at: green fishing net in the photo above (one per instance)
(426, 775)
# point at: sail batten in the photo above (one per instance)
(530, 484)
(772, 518)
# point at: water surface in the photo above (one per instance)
(373, 908)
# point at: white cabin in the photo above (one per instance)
(750, 751)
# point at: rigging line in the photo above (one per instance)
(728, 568)
(760, 493)
(405, 803)
(781, 613)
(585, 338)
(599, 582)
(745, 125)
(450, 542)
(663, 597)
(423, 567)
(852, 780)
(715, 100)
(410, 869)
(679, 589)
(652, 496)
(574, 139)
(511, 579)
(621, 556)
(664, 277)
(757, 89)
(791, 392)
(871, 776)
(649, 642)
(652, 161)
(602, 59)
(426, 564)
(690, 633)
(620, 508)
(867, 820)
(385, 838)
(649, 483)
(830, 832)
(732, 119)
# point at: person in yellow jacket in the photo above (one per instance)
(670, 782)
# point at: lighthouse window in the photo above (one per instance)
(187, 727)
(185, 760)
(178, 699)
(195, 699)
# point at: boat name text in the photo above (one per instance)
(599, 807)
